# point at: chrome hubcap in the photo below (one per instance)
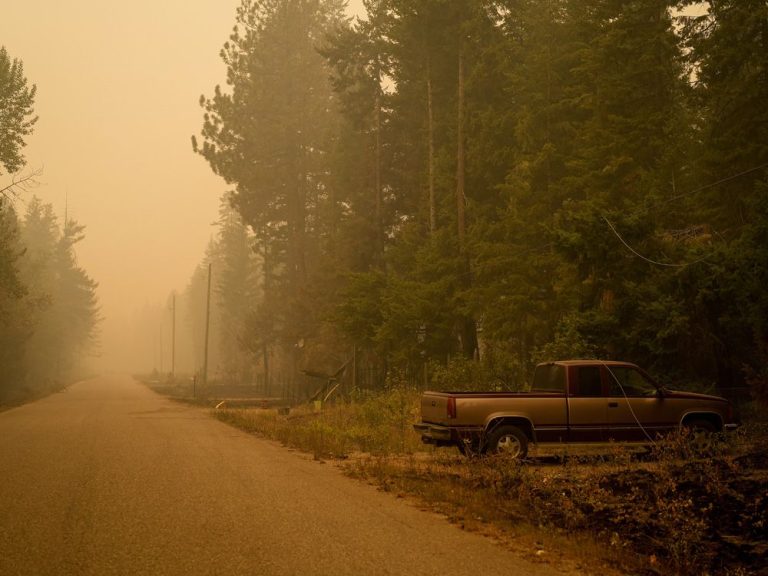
(509, 445)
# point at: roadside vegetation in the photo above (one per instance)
(377, 425)
(683, 506)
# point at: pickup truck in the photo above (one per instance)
(571, 401)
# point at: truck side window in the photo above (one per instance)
(589, 382)
(623, 380)
(549, 378)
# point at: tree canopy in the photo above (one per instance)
(16, 111)
(48, 307)
(501, 181)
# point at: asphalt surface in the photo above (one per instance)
(109, 478)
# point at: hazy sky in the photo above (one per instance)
(118, 87)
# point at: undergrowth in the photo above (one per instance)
(375, 424)
(687, 506)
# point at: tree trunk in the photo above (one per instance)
(265, 360)
(460, 158)
(379, 217)
(431, 159)
(467, 328)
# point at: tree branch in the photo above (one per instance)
(21, 184)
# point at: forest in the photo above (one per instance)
(49, 311)
(449, 191)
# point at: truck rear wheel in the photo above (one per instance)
(700, 425)
(508, 440)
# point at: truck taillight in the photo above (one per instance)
(451, 407)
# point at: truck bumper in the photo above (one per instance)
(434, 434)
(438, 435)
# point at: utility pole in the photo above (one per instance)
(173, 338)
(207, 326)
(161, 347)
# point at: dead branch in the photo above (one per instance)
(21, 183)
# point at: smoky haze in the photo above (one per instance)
(118, 88)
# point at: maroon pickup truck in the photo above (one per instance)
(569, 401)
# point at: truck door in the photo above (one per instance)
(636, 411)
(587, 405)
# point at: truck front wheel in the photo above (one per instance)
(508, 440)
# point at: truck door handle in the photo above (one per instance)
(613, 404)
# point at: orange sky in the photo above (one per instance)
(118, 87)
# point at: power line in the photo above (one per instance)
(672, 199)
(649, 260)
(712, 185)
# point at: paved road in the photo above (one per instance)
(110, 478)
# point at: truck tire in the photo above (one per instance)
(508, 440)
(699, 425)
(703, 435)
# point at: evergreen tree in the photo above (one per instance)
(64, 316)
(199, 314)
(726, 196)
(625, 156)
(41, 236)
(361, 166)
(570, 177)
(237, 293)
(270, 136)
(75, 298)
(14, 304)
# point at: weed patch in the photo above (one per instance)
(663, 514)
(378, 424)
(689, 506)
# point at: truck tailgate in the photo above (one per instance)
(434, 408)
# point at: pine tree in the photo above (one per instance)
(65, 307)
(75, 298)
(269, 137)
(14, 304)
(359, 59)
(237, 292)
(199, 314)
(726, 194)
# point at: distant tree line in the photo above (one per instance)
(48, 307)
(234, 291)
(486, 184)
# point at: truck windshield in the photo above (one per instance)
(549, 378)
(625, 381)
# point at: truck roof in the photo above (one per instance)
(588, 363)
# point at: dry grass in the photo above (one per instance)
(683, 508)
(484, 496)
(379, 424)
